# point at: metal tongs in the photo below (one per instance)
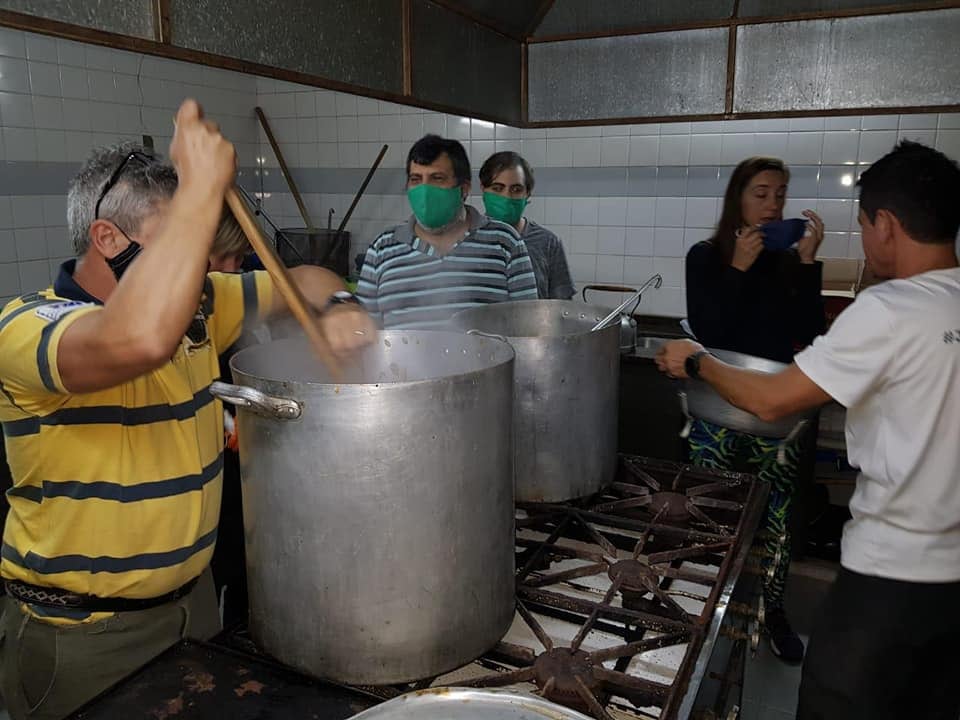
(635, 296)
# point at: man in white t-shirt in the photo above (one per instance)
(887, 643)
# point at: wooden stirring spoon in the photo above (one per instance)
(283, 281)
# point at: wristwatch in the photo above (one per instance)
(692, 364)
(341, 297)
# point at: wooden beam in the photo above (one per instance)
(731, 61)
(406, 41)
(545, 7)
(635, 120)
(524, 83)
(637, 30)
(890, 9)
(161, 21)
(478, 19)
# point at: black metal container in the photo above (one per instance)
(317, 246)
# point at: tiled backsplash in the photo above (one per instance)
(627, 200)
(58, 99)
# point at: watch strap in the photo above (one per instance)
(692, 364)
(341, 297)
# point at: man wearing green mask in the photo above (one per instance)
(507, 182)
(447, 256)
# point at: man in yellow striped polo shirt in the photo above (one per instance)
(113, 440)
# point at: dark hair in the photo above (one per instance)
(505, 160)
(731, 218)
(920, 186)
(428, 148)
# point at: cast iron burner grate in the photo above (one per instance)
(611, 585)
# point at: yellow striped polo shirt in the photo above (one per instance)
(117, 492)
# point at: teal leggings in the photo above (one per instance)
(718, 448)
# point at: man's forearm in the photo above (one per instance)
(316, 283)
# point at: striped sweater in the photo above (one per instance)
(404, 283)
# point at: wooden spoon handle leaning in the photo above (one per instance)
(283, 282)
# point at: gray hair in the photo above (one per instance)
(128, 203)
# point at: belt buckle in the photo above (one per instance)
(73, 600)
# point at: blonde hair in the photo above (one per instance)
(230, 238)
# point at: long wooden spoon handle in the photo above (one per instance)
(282, 280)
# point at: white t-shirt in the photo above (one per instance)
(893, 360)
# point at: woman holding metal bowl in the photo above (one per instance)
(754, 288)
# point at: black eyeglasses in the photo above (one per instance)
(115, 177)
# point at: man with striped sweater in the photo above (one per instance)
(447, 256)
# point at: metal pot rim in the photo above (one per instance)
(458, 321)
(347, 388)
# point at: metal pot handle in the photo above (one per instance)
(481, 333)
(256, 401)
(656, 280)
(782, 450)
(688, 425)
(606, 288)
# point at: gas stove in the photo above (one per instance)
(621, 597)
(636, 602)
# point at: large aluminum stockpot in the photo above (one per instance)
(378, 511)
(565, 397)
(702, 401)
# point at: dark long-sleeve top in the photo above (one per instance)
(767, 311)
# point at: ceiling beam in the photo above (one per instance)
(524, 83)
(767, 114)
(545, 7)
(489, 24)
(889, 9)
(161, 21)
(731, 60)
(406, 43)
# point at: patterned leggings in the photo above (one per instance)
(718, 448)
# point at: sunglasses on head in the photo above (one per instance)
(140, 157)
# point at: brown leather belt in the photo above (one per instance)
(55, 598)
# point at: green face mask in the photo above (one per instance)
(504, 209)
(435, 207)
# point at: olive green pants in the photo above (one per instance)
(48, 671)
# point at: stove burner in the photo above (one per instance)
(563, 674)
(525, 559)
(636, 576)
(670, 507)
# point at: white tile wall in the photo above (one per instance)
(59, 98)
(623, 237)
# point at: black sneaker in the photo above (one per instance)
(784, 642)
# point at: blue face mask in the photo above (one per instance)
(783, 234)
